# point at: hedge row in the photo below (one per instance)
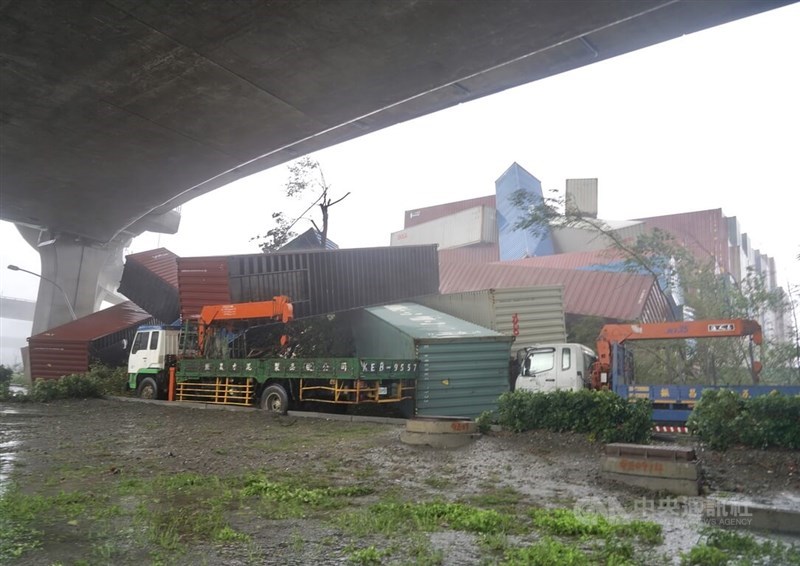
(723, 419)
(603, 414)
(98, 381)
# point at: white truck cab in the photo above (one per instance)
(151, 346)
(152, 350)
(550, 367)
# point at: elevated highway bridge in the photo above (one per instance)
(116, 112)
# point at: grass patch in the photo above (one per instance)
(25, 518)
(366, 556)
(438, 482)
(723, 547)
(163, 517)
(495, 543)
(504, 498)
(565, 522)
(392, 518)
(285, 500)
(546, 552)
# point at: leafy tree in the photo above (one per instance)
(277, 236)
(305, 176)
(707, 292)
(6, 374)
(584, 330)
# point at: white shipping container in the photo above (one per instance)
(538, 311)
(582, 195)
(573, 239)
(477, 225)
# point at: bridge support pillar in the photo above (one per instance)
(74, 274)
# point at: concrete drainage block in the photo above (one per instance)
(672, 469)
(439, 432)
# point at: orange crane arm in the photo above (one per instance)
(619, 333)
(279, 308)
(691, 329)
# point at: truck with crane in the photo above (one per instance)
(210, 358)
(551, 367)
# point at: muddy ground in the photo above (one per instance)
(94, 445)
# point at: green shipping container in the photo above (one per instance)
(463, 369)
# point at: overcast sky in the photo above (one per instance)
(710, 120)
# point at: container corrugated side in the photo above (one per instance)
(374, 338)
(150, 279)
(421, 215)
(483, 253)
(704, 233)
(51, 359)
(461, 378)
(458, 376)
(475, 225)
(539, 311)
(103, 336)
(202, 281)
(327, 281)
(582, 194)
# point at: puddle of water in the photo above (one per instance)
(8, 454)
(8, 446)
(6, 464)
(783, 500)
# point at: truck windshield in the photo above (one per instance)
(140, 343)
(540, 360)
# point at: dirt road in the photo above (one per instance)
(116, 460)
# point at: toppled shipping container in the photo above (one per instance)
(150, 279)
(103, 337)
(463, 367)
(533, 315)
(318, 281)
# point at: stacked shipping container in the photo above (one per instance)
(318, 282)
(100, 337)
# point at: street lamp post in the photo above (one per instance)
(53, 283)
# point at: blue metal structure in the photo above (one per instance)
(513, 243)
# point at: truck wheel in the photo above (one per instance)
(148, 389)
(275, 400)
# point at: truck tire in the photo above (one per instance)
(274, 399)
(148, 389)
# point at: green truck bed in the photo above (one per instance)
(297, 368)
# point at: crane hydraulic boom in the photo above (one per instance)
(612, 334)
(279, 308)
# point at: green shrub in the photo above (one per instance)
(6, 374)
(722, 418)
(98, 381)
(485, 421)
(603, 414)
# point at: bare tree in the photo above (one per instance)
(305, 176)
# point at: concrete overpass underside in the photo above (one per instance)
(115, 112)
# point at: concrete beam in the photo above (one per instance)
(17, 309)
(114, 110)
(75, 276)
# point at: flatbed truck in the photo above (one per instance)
(198, 362)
